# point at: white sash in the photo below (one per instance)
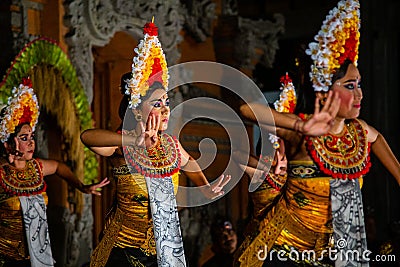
(167, 231)
(36, 229)
(348, 223)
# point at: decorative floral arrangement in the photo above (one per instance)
(22, 107)
(337, 41)
(148, 66)
(287, 99)
(286, 103)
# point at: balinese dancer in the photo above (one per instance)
(268, 174)
(24, 236)
(143, 228)
(319, 219)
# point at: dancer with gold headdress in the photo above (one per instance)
(319, 218)
(269, 173)
(24, 237)
(143, 229)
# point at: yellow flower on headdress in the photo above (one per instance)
(149, 65)
(286, 103)
(287, 99)
(22, 107)
(337, 41)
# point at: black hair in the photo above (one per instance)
(341, 71)
(305, 93)
(301, 79)
(124, 82)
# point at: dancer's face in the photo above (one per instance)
(157, 105)
(280, 159)
(24, 142)
(350, 93)
(227, 240)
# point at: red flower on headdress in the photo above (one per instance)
(27, 116)
(27, 82)
(287, 98)
(151, 29)
(285, 79)
(349, 51)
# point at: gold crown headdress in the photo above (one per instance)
(286, 103)
(149, 65)
(337, 41)
(22, 107)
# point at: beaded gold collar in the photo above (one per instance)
(345, 155)
(159, 161)
(23, 182)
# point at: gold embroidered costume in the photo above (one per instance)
(130, 225)
(14, 183)
(301, 220)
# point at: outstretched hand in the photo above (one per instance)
(322, 120)
(92, 188)
(216, 188)
(148, 136)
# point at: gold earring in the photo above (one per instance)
(138, 117)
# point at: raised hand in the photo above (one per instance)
(322, 120)
(216, 188)
(92, 188)
(148, 136)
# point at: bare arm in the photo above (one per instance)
(250, 161)
(382, 150)
(196, 175)
(319, 124)
(385, 155)
(62, 170)
(192, 168)
(104, 142)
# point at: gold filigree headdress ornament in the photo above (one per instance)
(149, 65)
(22, 107)
(337, 41)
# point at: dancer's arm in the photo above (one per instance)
(320, 122)
(63, 171)
(105, 142)
(102, 142)
(385, 155)
(196, 175)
